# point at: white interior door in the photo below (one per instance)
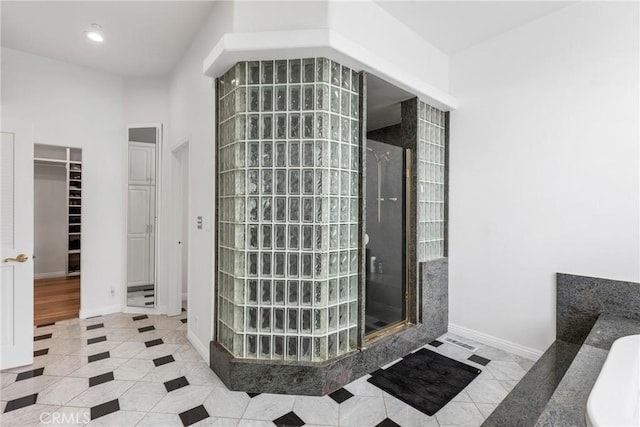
(180, 228)
(138, 236)
(16, 248)
(141, 163)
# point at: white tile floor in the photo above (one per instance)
(132, 376)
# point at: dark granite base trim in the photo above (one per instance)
(320, 378)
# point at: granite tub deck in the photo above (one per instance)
(568, 404)
(591, 314)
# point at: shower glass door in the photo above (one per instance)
(385, 228)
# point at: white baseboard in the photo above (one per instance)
(49, 275)
(481, 337)
(100, 311)
(202, 349)
(161, 309)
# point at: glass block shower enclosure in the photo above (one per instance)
(288, 206)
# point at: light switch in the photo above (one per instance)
(199, 222)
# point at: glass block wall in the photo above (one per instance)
(288, 209)
(431, 182)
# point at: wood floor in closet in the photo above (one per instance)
(55, 299)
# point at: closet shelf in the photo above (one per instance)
(74, 192)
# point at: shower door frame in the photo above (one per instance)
(409, 142)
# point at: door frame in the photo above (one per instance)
(21, 352)
(160, 305)
(182, 148)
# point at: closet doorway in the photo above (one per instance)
(142, 214)
(57, 232)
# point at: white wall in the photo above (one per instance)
(50, 220)
(146, 100)
(544, 168)
(255, 16)
(192, 116)
(374, 29)
(79, 107)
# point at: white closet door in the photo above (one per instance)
(138, 236)
(142, 163)
(152, 164)
(152, 234)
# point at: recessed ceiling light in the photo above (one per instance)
(95, 33)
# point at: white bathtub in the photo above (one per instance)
(615, 397)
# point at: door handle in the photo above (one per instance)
(19, 258)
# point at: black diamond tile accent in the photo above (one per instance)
(144, 316)
(289, 420)
(163, 360)
(46, 324)
(435, 343)
(193, 415)
(183, 320)
(99, 356)
(380, 323)
(41, 352)
(176, 384)
(21, 402)
(29, 374)
(96, 339)
(100, 379)
(146, 328)
(252, 395)
(479, 359)
(183, 310)
(96, 326)
(94, 317)
(149, 303)
(105, 409)
(388, 423)
(154, 342)
(341, 395)
(42, 337)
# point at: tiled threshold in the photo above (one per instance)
(555, 390)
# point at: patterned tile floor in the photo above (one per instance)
(126, 370)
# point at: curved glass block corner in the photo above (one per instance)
(288, 209)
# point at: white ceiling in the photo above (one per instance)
(146, 38)
(452, 26)
(142, 38)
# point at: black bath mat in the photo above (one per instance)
(425, 380)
